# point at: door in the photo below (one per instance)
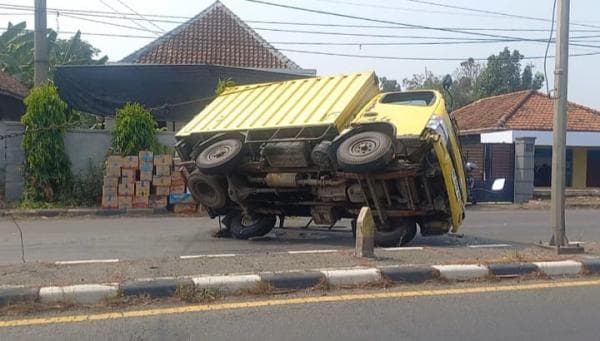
(593, 168)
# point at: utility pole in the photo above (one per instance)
(40, 57)
(559, 148)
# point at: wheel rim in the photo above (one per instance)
(218, 152)
(363, 147)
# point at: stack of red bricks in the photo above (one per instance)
(142, 181)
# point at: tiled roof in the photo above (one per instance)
(522, 110)
(12, 87)
(215, 36)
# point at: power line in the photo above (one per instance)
(420, 58)
(141, 16)
(348, 16)
(510, 15)
(404, 9)
(124, 16)
(111, 15)
(111, 24)
(548, 47)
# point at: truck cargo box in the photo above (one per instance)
(319, 101)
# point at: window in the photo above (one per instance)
(420, 98)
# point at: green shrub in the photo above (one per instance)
(47, 167)
(86, 190)
(135, 130)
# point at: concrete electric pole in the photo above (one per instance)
(40, 57)
(559, 149)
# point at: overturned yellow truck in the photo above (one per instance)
(325, 147)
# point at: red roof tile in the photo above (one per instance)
(215, 36)
(522, 110)
(11, 86)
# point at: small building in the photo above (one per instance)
(510, 136)
(12, 93)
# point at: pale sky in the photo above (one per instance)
(584, 71)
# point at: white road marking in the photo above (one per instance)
(302, 252)
(87, 261)
(220, 255)
(487, 246)
(408, 248)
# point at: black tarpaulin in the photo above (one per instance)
(171, 92)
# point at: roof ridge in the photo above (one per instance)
(489, 98)
(510, 113)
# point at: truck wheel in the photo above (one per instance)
(243, 227)
(365, 152)
(219, 157)
(402, 232)
(208, 190)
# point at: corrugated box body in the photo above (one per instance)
(140, 201)
(145, 156)
(177, 188)
(110, 190)
(188, 208)
(142, 188)
(163, 170)
(161, 180)
(130, 162)
(114, 161)
(129, 174)
(110, 200)
(162, 190)
(125, 202)
(146, 167)
(111, 181)
(163, 160)
(127, 189)
(318, 101)
(113, 172)
(157, 201)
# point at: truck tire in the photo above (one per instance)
(220, 156)
(243, 228)
(210, 191)
(363, 152)
(402, 233)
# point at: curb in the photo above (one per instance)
(89, 294)
(80, 212)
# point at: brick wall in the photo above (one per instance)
(502, 160)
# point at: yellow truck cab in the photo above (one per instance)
(323, 148)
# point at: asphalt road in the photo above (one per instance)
(517, 314)
(133, 238)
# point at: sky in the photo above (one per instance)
(583, 71)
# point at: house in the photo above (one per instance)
(215, 36)
(510, 136)
(12, 93)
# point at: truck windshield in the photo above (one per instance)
(422, 98)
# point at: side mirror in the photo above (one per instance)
(447, 82)
(470, 166)
(498, 184)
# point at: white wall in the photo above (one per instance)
(543, 138)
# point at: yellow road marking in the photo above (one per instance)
(292, 301)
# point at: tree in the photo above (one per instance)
(47, 167)
(426, 80)
(503, 75)
(389, 85)
(16, 52)
(135, 130)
